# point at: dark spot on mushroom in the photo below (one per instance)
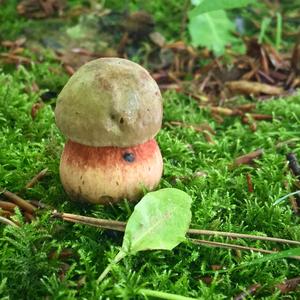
(112, 116)
(117, 183)
(121, 121)
(82, 182)
(129, 157)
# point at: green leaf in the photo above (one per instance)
(159, 221)
(212, 30)
(212, 5)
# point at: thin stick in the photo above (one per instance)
(230, 246)
(7, 222)
(120, 226)
(102, 223)
(242, 235)
(20, 202)
(236, 247)
(36, 178)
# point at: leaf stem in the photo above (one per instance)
(117, 258)
(162, 295)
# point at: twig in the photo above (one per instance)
(230, 246)
(20, 202)
(36, 178)
(120, 226)
(242, 235)
(102, 223)
(7, 222)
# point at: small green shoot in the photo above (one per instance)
(263, 28)
(159, 221)
(278, 30)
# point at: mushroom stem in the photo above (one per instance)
(108, 174)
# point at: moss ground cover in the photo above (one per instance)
(221, 201)
(48, 258)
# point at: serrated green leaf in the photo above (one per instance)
(212, 30)
(159, 221)
(212, 5)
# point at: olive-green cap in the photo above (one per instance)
(110, 102)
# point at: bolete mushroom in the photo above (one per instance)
(110, 110)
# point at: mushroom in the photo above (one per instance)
(110, 110)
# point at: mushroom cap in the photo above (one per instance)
(110, 102)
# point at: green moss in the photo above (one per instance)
(221, 201)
